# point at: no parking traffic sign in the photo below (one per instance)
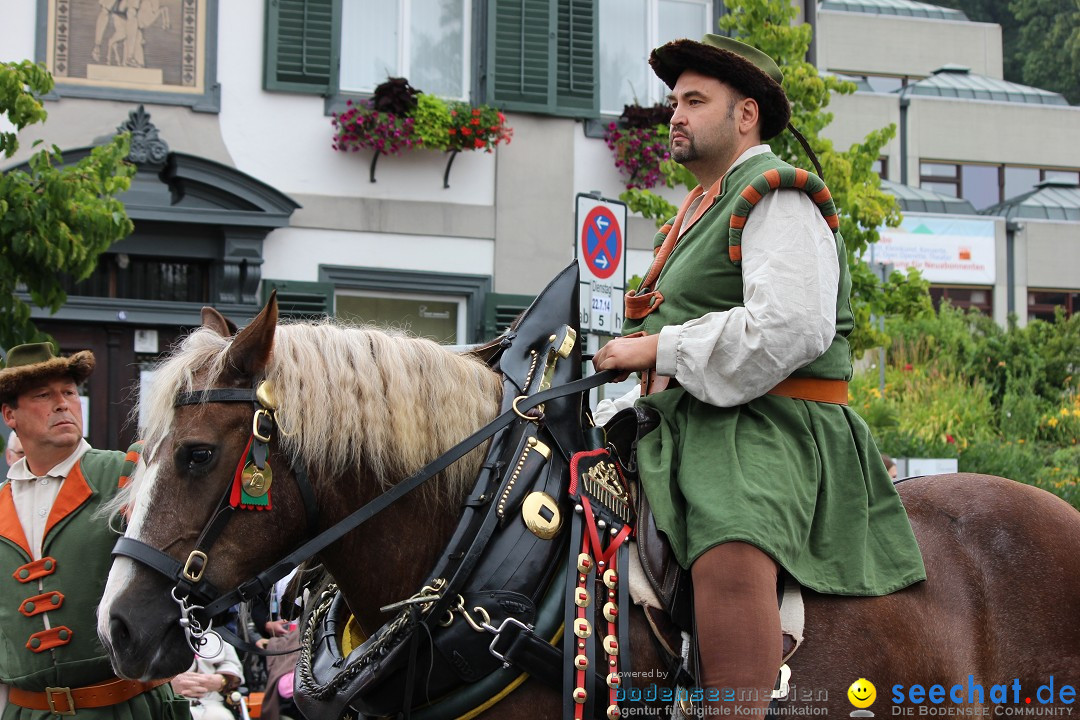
(600, 247)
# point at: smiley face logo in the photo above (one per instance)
(862, 693)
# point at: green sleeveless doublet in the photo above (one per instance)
(801, 480)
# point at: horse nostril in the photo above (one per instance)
(118, 630)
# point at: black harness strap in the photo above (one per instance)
(154, 558)
(215, 395)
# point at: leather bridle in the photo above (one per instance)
(197, 596)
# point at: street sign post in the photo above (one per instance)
(600, 247)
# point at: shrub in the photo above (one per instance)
(1004, 401)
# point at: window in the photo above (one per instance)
(881, 167)
(445, 307)
(986, 185)
(1042, 304)
(542, 56)
(980, 298)
(140, 278)
(426, 41)
(1068, 175)
(980, 185)
(539, 56)
(941, 178)
(629, 30)
(1019, 180)
(435, 317)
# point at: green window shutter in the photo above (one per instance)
(299, 299)
(543, 56)
(501, 309)
(301, 45)
(577, 88)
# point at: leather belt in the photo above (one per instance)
(65, 701)
(814, 389)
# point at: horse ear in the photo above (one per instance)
(250, 350)
(217, 322)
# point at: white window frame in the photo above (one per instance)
(405, 46)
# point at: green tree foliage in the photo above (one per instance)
(1040, 40)
(856, 188)
(54, 220)
(1048, 46)
(1001, 13)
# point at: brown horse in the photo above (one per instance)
(997, 621)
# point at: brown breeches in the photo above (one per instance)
(738, 623)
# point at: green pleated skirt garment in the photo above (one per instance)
(803, 481)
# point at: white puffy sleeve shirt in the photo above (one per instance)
(791, 274)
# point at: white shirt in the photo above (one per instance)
(34, 495)
(791, 274)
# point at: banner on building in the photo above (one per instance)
(945, 250)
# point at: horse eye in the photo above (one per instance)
(201, 456)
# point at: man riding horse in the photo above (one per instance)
(758, 464)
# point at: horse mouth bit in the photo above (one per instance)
(196, 635)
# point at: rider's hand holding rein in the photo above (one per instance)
(629, 354)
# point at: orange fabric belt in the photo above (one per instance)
(815, 389)
(66, 701)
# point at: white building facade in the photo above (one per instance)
(250, 194)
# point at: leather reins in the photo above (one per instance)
(190, 583)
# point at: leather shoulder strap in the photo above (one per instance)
(777, 178)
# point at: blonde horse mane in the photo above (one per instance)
(349, 398)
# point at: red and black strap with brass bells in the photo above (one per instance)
(601, 525)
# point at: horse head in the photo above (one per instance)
(354, 409)
(192, 455)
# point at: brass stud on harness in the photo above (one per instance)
(583, 628)
(581, 597)
(541, 515)
(581, 662)
(580, 695)
(266, 396)
(613, 712)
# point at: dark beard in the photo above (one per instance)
(685, 153)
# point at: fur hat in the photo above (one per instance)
(747, 69)
(33, 363)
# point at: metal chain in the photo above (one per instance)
(196, 635)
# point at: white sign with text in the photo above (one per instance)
(600, 247)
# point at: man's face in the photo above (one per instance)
(703, 126)
(48, 415)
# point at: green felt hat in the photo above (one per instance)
(747, 69)
(33, 363)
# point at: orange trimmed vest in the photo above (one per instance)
(66, 582)
(703, 273)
